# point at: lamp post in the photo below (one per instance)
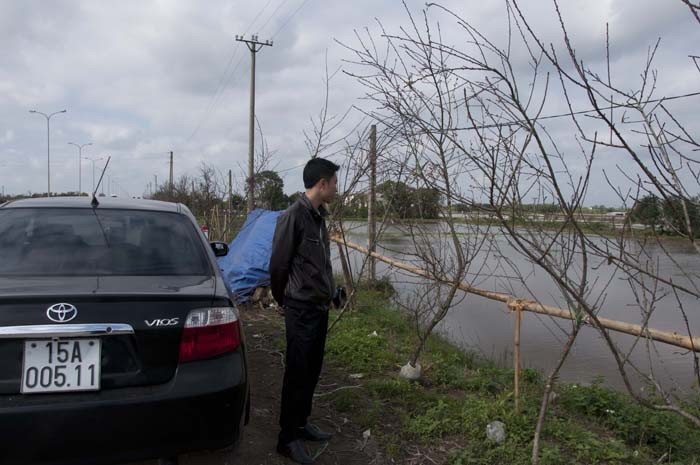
(48, 147)
(80, 163)
(93, 160)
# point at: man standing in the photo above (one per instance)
(302, 283)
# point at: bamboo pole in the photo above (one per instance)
(516, 356)
(672, 338)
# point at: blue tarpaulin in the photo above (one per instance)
(247, 264)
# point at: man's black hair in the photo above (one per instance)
(317, 169)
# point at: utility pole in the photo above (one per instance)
(230, 190)
(372, 208)
(155, 182)
(254, 46)
(229, 212)
(171, 174)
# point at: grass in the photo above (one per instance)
(447, 412)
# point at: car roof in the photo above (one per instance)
(104, 202)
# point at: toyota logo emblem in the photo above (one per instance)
(61, 313)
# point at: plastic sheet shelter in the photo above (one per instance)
(247, 265)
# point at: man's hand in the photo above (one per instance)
(339, 297)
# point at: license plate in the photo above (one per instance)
(61, 365)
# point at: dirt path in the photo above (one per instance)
(264, 333)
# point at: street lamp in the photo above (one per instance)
(80, 163)
(93, 160)
(48, 147)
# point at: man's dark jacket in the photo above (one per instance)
(300, 264)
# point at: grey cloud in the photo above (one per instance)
(137, 77)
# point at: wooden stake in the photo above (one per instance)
(516, 356)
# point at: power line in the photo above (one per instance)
(223, 81)
(295, 167)
(512, 123)
(581, 112)
(217, 94)
(289, 18)
(273, 14)
(258, 15)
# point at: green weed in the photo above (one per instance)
(461, 393)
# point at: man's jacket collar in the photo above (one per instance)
(307, 203)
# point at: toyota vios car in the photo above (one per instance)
(118, 337)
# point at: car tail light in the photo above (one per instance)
(210, 332)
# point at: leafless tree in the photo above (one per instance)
(660, 149)
(322, 136)
(482, 118)
(419, 109)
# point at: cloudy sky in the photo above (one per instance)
(141, 78)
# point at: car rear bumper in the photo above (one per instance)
(202, 407)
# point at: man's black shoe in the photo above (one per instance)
(296, 451)
(312, 433)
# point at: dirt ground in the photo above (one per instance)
(264, 331)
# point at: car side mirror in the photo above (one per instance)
(220, 248)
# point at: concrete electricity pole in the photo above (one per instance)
(372, 203)
(254, 46)
(171, 175)
(80, 164)
(230, 191)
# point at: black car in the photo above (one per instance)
(119, 340)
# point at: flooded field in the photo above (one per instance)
(487, 327)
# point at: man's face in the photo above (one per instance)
(329, 188)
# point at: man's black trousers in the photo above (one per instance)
(306, 342)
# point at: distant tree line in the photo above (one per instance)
(667, 216)
(538, 208)
(209, 189)
(396, 199)
(36, 195)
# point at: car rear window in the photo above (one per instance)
(80, 242)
